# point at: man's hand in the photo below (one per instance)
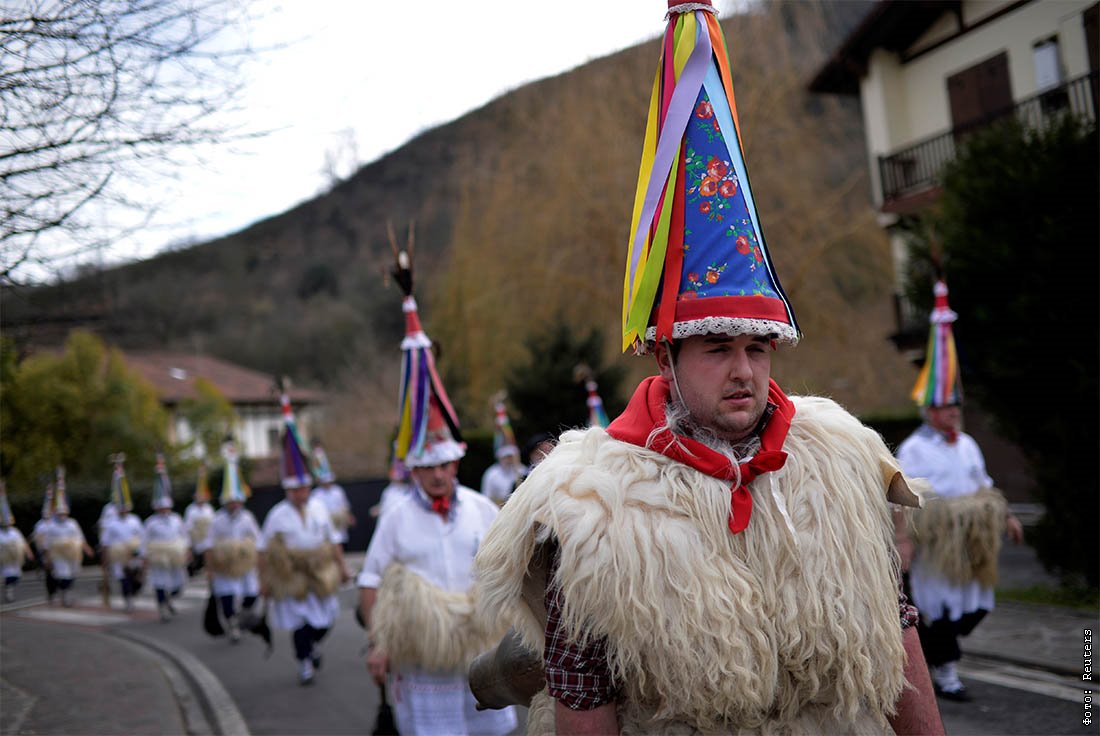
(1014, 529)
(378, 664)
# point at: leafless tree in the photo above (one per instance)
(96, 96)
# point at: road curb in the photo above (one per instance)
(206, 704)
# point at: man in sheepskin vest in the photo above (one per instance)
(120, 536)
(165, 546)
(720, 558)
(301, 561)
(230, 547)
(416, 581)
(956, 537)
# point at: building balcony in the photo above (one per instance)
(909, 176)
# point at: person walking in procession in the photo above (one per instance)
(417, 578)
(693, 566)
(165, 546)
(951, 575)
(39, 541)
(64, 546)
(196, 519)
(230, 547)
(121, 535)
(14, 550)
(301, 561)
(332, 494)
(502, 477)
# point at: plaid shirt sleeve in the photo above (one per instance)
(576, 676)
(906, 610)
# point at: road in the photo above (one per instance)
(1008, 699)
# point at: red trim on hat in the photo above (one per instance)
(743, 307)
(412, 323)
(674, 3)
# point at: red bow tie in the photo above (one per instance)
(442, 506)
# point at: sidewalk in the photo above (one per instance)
(63, 679)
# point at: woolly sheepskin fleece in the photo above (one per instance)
(960, 537)
(341, 519)
(420, 625)
(121, 553)
(68, 549)
(199, 527)
(232, 557)
(756, 631)
(295, 573)
(11, 552)
(166, 555)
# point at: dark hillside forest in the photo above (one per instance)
(522, 212)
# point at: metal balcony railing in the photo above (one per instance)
(917, 167)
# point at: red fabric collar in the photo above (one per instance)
(442, 506)
(646, 411)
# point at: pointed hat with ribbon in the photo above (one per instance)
(6, 516)
(597, 416)
(202, 485)
(60, 502)
(427, 432)
(234, 487)
(120, 487)
(504, 439)
(162, 485)
(322, 471)
(939, 383)
(293, 467)
(697, 261)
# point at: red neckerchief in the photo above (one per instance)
(951, 435)
(442, 506)
(646, 411)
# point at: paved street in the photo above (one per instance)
(88, 669)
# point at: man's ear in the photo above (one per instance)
(663, 357)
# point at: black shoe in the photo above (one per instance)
(959, 694)
(315, 658)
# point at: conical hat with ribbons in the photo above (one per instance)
(597, 416)
(322, 471)
(294, 470)
(697, 260)
(60, 503)
(162, 485)
(427, 432)
(120, 486)
(504, 438)
(7, 518)
(202, 485)
(939, 383)
(234, 487)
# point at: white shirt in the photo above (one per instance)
(230, 526)
(498, 482)
(57, 529)
(332, 496)
(393, 493)
(299, 531)
(956, 469)
(441, 552)
(109, 514)
(196, 511)
(121, 529)
(11, 535)
(163, 528)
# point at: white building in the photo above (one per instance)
(255, 401)
(927, 72)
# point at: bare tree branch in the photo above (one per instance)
(96, 95)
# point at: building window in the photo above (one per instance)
(1048, 66)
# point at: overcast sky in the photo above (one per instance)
(351, 73)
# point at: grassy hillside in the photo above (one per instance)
(522, 212)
